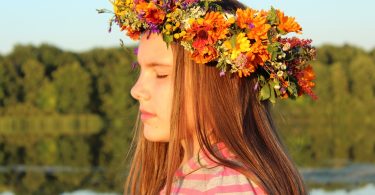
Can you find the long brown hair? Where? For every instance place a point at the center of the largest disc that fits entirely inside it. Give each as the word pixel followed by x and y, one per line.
pixel 236 118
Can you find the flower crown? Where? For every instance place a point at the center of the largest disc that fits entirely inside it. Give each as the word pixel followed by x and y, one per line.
pixel 246 42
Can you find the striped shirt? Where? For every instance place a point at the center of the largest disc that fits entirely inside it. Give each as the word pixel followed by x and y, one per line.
pixel 200 175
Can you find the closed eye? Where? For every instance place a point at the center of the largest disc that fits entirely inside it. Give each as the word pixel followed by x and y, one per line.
pixel 161 76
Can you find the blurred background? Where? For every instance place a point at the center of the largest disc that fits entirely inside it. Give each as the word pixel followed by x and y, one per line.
pixel 66 114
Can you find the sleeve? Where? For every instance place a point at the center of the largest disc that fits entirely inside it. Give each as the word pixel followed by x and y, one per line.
pixel 230 181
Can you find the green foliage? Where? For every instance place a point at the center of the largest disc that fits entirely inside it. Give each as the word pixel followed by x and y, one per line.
pixel 72 83
pixel 68 117
pixel 336 129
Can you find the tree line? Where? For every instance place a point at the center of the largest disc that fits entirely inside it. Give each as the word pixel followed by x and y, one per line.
pixel 66 118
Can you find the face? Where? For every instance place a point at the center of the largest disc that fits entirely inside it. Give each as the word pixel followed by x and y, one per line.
pixel 154 87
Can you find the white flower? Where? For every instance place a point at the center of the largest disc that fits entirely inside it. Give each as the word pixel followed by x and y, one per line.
pixel 280 73
pixel 286 47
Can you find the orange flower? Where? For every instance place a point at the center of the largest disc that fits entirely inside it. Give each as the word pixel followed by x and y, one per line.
pixel 258 54
pixel 305 78
pixel 151 12
pixel 219 25
pixel 204 54
pixel 133 34
pixel 245 72
pixel 206 31
pixel 245 17
pixel 288 24
pixel 255 21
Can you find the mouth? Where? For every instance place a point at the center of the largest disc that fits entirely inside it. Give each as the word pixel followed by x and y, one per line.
pixel 146 115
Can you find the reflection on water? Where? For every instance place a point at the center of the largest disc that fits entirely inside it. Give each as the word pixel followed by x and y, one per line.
pixel 353 179
pixel 366 190
pixel 352 174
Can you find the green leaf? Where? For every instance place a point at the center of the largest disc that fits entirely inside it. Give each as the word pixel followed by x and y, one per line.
pixel 273 97
pixel 272 17
pixel 168 39
pixel 272 91
pixel 233 41
pixel 206 5
pixel 292 89
pixel 274 49
pixel 265 92
pixel 271 34
pixel 217 7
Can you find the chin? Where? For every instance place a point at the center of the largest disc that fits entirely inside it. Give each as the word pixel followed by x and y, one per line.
pixel 154 135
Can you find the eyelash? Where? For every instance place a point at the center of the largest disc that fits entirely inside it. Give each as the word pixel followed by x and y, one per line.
pixel 161 76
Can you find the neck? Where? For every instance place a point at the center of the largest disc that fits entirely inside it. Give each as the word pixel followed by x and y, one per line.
pixel 190 150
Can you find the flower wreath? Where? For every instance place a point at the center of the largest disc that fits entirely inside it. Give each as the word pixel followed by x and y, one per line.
pixel 244 43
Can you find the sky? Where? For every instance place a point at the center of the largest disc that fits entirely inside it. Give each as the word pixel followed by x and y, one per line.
pixel 75 25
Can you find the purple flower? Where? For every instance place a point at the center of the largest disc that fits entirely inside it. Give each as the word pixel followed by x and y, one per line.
pixel 282 90
pixel 154 28
pixel 167 6
pixel 222 73
pixel 134 65
pixel 251 26
pixel 256 86
pixel 135 51
pixel 187 3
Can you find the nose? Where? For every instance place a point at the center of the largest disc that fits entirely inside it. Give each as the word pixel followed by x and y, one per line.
pixel 139 91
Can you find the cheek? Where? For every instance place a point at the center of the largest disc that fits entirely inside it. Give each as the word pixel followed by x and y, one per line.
pixel 163 99
pixel 159 129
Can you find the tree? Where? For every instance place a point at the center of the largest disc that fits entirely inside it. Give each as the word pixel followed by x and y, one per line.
pixel 73 86
pixel 33 76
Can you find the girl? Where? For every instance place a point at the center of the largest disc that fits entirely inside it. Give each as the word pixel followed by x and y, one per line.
pixel 199 130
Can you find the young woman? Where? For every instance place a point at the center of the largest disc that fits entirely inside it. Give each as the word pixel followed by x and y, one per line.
pixel 201 130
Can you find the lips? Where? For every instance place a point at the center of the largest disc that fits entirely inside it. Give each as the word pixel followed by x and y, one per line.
pixel 145 115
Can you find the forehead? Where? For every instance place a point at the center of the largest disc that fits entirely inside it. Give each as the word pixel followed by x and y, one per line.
pixel 153 50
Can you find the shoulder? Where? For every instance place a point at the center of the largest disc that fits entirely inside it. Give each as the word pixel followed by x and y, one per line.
pixel 228 180
pixel 221 179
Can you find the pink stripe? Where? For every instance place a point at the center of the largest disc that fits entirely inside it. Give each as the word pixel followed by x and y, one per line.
pixel 185 191
pixel 181 190
pixel 203 176
pixel 193 165
pixel 231 188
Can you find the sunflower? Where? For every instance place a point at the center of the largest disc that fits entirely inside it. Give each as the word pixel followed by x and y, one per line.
pixel 288 24
pixel 242 44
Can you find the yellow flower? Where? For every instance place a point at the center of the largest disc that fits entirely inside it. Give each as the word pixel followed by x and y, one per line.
pixel 242 44
pixel 118 7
